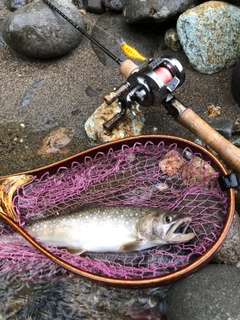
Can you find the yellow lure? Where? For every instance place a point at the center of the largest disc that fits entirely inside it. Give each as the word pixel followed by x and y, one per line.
pixel 131 52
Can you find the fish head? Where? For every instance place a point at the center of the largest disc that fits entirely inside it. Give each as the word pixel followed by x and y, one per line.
pixel 165 226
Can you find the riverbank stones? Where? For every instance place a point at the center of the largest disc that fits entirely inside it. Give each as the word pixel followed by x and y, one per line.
pixel 212 293
pixel 36 31
pixel 210 35
pixel 136 11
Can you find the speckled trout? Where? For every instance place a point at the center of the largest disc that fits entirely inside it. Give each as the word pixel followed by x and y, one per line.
pixel 105 229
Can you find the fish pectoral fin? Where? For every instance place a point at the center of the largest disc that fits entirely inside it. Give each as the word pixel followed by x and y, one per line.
pixel 76 251
pixel 137 245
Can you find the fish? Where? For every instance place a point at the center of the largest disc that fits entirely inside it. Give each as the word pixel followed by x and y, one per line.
pixel 112 229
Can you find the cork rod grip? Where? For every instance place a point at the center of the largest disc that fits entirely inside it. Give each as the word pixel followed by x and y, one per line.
pixel 225 149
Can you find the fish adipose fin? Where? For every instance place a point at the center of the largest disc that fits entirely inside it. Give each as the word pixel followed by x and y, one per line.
pixel 138 245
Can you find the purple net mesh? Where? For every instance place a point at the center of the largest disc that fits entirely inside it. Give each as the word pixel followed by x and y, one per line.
pixel 164 176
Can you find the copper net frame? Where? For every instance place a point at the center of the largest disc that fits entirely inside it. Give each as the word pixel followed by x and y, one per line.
pixel 115 146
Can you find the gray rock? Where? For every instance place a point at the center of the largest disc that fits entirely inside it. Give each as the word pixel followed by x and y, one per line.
pixel 210 294
pixel 209 34
pixel 128 126
pixel 36 31
pixel 229 252
pixel 114 5
pixel 152 10
pixel 95 6
pixel 223 126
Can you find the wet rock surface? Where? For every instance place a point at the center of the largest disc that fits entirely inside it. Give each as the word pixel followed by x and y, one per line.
pixel 229 252
pixel 136 11
pixel 36 31
pixel 213 43
pixel 78 299
pixel 212 293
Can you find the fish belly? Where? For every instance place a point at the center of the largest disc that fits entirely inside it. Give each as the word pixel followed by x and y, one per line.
pixel 86 232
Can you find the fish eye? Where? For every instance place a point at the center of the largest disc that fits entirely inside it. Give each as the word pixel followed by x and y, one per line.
pixel 167 218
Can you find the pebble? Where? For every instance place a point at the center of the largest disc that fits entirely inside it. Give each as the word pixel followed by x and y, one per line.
pixel 209 35
pixel 213 111
pixel 114 5
pixel 171 40
pixel 136 11
pixel 236 126
pixel 128 126
pixel 56 141
pixel 210 294
pixel 95 6
pixel 34 30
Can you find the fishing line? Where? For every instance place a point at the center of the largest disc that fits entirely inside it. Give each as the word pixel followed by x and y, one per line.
pixel 109 53
pixel 128 50
pixel 83 12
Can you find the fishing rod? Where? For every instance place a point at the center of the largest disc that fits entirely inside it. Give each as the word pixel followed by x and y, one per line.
pixel 76 26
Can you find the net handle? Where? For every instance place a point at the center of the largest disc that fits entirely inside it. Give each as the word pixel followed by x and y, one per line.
pixel 225 149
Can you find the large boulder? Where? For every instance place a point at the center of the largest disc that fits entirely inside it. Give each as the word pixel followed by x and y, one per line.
pixel 36 31
pixel 156 11
pixel 211 294
pixel 210 35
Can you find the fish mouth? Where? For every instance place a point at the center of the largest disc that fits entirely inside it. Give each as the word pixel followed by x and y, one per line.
pixel 177 233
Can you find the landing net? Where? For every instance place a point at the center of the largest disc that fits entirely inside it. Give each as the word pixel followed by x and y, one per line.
pixel 163 176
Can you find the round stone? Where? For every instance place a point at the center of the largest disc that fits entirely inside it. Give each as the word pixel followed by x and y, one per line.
pixel 37 31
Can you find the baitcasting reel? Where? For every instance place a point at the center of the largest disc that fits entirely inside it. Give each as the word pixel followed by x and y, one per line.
pixel 148 86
